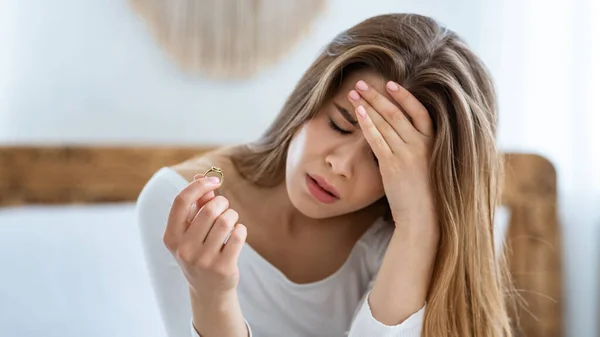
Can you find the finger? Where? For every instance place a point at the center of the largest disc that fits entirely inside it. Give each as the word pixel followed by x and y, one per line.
pixel 409 103
pixel 390 136
pixel 198 204
pixel 234 245
pixel 177 221
pixel 372 134
pixel 221 230
pixel 204 221
pixel 203 200
pixel 388 110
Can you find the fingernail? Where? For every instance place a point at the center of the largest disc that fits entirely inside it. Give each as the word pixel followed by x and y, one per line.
pixel 361 85
pixel 392 86
pixel 361 111
pixel 354 95
pixel 214 180
pixel 198 176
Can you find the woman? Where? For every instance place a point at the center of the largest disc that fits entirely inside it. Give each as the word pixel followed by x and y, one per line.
pixel 365 209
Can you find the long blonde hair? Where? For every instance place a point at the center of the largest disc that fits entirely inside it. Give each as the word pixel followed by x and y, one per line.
pixel 468 291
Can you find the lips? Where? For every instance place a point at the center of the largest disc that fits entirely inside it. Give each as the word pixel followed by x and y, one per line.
pixel 317 192
pixel 325 185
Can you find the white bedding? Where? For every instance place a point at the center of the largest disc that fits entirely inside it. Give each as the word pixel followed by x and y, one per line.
pixel 75 271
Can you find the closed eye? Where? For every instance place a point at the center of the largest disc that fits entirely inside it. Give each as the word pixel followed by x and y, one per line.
pixel 337 129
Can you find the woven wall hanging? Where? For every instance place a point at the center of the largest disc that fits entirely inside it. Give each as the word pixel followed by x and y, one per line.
pixel 227 38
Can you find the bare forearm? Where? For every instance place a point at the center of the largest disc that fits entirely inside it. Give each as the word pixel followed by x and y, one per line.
pixel 216 316
pixel 401 285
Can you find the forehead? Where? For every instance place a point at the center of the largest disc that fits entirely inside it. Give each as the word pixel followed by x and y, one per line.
pixel 373 79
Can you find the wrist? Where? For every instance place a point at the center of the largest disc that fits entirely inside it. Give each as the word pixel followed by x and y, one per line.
pixel 225 303
pixel 423 243
pixel 218 314
pixel 421 228
pixel 214 297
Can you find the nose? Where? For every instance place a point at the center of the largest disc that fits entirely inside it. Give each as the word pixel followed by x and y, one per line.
pixel 341 161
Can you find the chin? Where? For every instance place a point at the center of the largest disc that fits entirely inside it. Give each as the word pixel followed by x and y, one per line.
pixel 310 208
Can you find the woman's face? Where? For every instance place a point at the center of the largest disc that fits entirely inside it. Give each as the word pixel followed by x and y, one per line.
pixel 330 169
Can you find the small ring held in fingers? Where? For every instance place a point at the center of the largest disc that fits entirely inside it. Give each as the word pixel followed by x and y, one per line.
pixel 216 171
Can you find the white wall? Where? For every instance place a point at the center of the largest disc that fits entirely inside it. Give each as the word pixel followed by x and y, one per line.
pixel 89 72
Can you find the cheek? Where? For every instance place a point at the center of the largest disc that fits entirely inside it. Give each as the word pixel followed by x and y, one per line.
pixel 297 147
pixel 369 186
pixel 310 139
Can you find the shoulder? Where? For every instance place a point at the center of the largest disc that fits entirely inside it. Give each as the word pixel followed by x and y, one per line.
pixel 200 164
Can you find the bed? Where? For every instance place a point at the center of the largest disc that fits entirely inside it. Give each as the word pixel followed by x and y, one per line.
pixel 84 196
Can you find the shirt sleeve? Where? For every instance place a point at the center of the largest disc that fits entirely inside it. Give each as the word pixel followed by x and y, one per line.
pixel 364 324
pixel 196 334
pixel 168 282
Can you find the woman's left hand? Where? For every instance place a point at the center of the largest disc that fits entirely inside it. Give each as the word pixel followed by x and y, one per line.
pixel 401 136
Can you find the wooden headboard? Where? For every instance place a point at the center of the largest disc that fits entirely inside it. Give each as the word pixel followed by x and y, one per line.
pixel 66 175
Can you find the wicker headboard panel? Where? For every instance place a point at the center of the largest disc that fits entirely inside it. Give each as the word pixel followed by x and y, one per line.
pixel 61 175
pixel 534 243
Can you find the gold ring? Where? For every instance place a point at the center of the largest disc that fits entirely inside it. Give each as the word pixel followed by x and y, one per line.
pixel 218 171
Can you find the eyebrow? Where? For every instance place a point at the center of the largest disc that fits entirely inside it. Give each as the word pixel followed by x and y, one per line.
pixel 346 115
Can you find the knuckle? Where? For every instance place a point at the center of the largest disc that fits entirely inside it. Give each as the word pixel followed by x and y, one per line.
pixel 223 224
pixel 385 113
pixel 378 99
pixel 221 200
pixel 398 117
pixel 230 217
pixel 210 211
pixel 387 160
pixel 237 237
pixel 226 224
pixel 226 221
pixel 388 129
pixel 241 232
pixel 180 199
pixel 168 242
pixel 379 142
pixel 215 207
pixel 234 215
pixel 184 254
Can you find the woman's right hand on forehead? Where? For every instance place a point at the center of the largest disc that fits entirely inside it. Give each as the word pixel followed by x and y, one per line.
pixel 205 238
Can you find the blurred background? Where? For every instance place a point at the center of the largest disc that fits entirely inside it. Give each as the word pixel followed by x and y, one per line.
pixel 99 72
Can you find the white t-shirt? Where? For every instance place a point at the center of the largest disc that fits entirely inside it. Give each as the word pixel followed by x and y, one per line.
pixel 272 305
